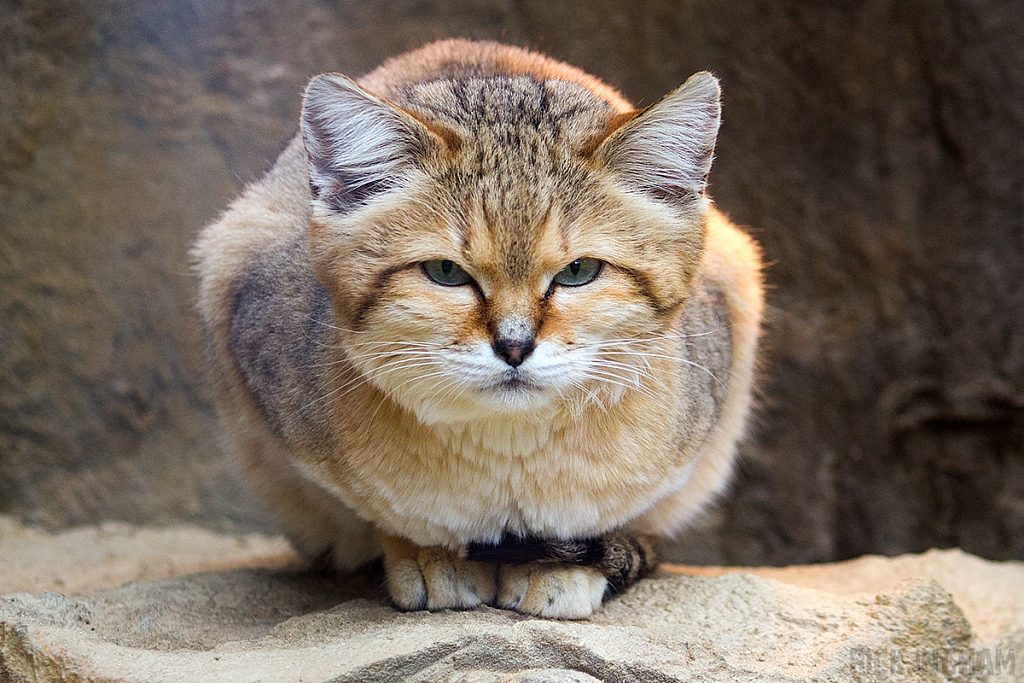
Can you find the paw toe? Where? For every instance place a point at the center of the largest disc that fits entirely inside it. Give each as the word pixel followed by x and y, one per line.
pixel 552 591
pixel 513 582
pixel 436 579
pixel 406 585
pixel 456 584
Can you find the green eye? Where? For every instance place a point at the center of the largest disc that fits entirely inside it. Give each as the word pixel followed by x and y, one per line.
pixel 580 272
pixel 447 273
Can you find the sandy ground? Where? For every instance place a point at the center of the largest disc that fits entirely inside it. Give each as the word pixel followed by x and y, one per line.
pixel 212 607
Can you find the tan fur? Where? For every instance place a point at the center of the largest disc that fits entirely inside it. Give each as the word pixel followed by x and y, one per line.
pixel 362 441
pixel 453 582
pixel 554 591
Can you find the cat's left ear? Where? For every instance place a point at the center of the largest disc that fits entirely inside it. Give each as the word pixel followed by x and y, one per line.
pixel 666 150
pixel 357 145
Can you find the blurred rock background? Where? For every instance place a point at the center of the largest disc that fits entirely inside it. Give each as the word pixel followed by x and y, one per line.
pixel 875 148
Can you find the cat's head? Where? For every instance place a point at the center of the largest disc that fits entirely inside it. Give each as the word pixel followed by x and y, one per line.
pixel 498 245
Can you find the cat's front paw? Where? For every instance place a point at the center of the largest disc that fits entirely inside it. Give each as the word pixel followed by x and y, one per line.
pixel 556 591
pixel 434 578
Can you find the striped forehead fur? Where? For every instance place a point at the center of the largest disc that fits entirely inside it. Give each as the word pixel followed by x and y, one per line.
pixel 515 160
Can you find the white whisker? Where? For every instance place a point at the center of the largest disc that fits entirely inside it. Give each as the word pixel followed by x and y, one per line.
pixel 678 359
pixel 390 392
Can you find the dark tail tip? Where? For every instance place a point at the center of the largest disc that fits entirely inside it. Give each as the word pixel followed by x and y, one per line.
pixel 513 549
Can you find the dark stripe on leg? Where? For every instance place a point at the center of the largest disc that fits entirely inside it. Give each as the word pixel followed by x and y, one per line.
pixel 621 557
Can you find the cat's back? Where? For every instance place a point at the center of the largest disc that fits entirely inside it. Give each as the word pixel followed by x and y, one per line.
pixel 463 60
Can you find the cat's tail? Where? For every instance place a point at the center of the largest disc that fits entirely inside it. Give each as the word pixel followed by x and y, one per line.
pixel 621 557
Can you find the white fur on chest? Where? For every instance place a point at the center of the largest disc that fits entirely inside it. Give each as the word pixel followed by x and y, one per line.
pixel 454 484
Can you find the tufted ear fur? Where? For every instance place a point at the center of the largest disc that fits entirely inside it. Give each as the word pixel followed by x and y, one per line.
pixel 666 150
pixel 357 145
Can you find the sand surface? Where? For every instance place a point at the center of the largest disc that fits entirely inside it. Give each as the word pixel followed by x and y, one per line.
pixel 239 608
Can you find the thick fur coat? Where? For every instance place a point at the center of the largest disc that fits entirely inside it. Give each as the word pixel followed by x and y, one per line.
pixel 481 306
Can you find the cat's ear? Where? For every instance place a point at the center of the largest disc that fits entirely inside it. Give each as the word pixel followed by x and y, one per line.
pixel 666 150
pixel 357 145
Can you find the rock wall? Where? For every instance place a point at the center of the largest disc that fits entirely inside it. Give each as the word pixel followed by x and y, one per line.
pixel 872 146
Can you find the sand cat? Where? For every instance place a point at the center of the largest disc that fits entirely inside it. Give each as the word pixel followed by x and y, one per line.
pixel 481 319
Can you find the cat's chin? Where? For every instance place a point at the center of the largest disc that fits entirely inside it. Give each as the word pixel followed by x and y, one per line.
pixel 505 399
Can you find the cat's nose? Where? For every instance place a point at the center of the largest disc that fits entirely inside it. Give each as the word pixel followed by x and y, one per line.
pixel 513 351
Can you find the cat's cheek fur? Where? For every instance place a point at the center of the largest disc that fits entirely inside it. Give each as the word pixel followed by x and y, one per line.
pixel 732 260
pixel 659 246
pixel 361 256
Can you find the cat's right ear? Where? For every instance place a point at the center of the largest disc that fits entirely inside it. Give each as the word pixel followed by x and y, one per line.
pixel 357 145
pixel 666 150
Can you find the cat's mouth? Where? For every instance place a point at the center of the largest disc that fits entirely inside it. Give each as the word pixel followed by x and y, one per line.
pixel 514 382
